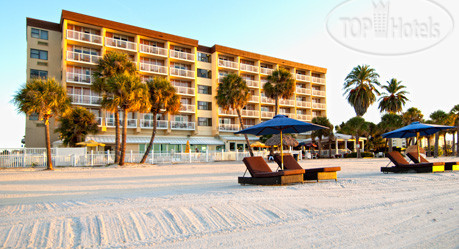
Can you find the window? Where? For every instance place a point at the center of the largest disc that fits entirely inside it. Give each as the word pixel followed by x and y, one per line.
pixel 38 54
pixel 38 74
pixel 40 34
pixel 202 105
pixel 205 121
pixel 204 89
pixel 33 117
pixel 203 57
pixel 203 73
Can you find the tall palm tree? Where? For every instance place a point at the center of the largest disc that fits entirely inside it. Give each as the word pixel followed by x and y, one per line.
pixel 357 127
pixel 280 85
pixel 393 100
pixel 163 96
pixel 411 115
pixel 233 93
pixel 112 64
pixel 46 98
pixel 442 118
pixel 455 116
pixel 75 124
pixel 390 122
pixel 322 132
pixel 360 87
pixel 131 95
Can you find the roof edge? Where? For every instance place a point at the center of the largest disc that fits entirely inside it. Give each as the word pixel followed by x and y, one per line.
pixel 43 24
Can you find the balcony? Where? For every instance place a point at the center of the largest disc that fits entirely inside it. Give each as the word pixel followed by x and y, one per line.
pixel 148 124
pixel 187 108
pixel 180 125
pixel 182 73
pixel 266 71
pixel 266 100
pixel 227 64
pixel 254 98
pixel 78 78
pixel 228 127
pixel 287 102
pixel 303 104
pixel 303 117
pixel 318 80
pixel 229 112
pixel 303 91
pixel 181 55
pixel 150 68
pixel 85 99
pixel 251 83
pixel 248 68
pixel 263 82
pixel 267 114
pixel 318 106
pixel 120 44
pixel 84 37
pixel 147 49
pixel 250 113
pixel 83 58
pixel 318 93
pixel 288 114
pixel 301 77
pixel 131 123
pixel 184 90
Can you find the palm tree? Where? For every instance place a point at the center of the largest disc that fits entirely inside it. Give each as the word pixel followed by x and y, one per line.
pixel 411 115
pixel 360 87
pixel 233 93
pixel 322 132
pixel 442 118
pixel 131 95
pixel 112 64
pixel 46 98
pixel 357 127
pixel 280 85
pixel 75 124
pixel 162 97
pixel 388 123
pixel 393 100
pixel 455 116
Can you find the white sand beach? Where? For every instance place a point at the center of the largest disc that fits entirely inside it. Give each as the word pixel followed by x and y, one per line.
pixel 202 206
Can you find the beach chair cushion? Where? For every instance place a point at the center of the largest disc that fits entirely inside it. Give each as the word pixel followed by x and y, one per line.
pixel 289 162
pixel 259 168
pixel 326 169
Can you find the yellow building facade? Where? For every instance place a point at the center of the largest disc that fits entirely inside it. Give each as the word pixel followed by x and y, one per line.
pixel 71 49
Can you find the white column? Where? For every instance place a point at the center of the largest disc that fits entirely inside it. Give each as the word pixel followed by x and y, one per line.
pixel 336 146
pixel 345 144
pixel 355 145
pixel 363 144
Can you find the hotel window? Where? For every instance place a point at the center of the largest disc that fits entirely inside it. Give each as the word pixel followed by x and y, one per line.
pixel 38 54
pixel 204 89
pixel 202 73
pixel 203 57
pixel 202 105
pixel 205 121
pixel 33 117
pixel 38 74
pixel 40 34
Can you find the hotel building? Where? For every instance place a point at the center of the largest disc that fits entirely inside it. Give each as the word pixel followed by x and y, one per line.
pixel 70 50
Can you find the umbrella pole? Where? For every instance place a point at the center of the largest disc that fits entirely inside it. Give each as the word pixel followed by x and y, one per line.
pixel 417 143
pixel 282 151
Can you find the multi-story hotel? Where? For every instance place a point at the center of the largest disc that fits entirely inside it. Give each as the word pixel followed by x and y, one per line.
pixel 69 51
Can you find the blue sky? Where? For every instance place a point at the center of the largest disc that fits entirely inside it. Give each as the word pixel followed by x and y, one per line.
pixel 293 30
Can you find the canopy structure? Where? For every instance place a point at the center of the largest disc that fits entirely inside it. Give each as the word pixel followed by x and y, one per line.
pixel 286 140
pixel 259 145
pixel 90 143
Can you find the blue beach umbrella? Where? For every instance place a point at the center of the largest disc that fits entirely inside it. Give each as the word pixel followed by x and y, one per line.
pixel 278 125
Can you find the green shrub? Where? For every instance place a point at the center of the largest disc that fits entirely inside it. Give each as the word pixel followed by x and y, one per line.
pixel 363 154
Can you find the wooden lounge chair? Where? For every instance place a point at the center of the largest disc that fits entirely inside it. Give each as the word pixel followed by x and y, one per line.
pixel 326 173
pixel 263 175
pixel 448 165
pixel 403 166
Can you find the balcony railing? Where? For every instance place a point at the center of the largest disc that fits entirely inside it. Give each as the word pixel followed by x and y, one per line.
pixel 182 73
pixel 263 82
pixel 84 37
pixel 318 80
pixel 82 57
pixel 251 83
pixel 303 91
pixel 318 106
pixel 85 99
pixel 229 112
pixel 318 93
pixel 266 100
pixel 131 123
pixel 148 123
pixel 179 125
pixel 115 43
pixel 303 117
pixel 250 113
pixel 227 64
pixel 147 49
pixel 228 127
pixel 181 55
pixel 185 90
pixel 301 77
pixel 288 114
pixel 289 102
pixel 79 78
pixel 145 67
pixel 254 98
pixel 303 104
pixel 267 114
pixel 187 108
pixel 267 71
pixel 248 68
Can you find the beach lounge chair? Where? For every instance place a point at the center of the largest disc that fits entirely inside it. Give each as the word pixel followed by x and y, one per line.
pixel 263 175
pixel 448 165
pixel 326 173
pixel 403 166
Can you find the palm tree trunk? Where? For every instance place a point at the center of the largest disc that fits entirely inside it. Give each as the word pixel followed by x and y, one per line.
pixel 49 165
pixel 276 106
pixel 429 151
pixel 436 145
pixel 245 135
pixel 320 146
pixel 150 145
pixel 123 138
pixel 457 139
pixel 453 148
pixel 117 136
pixel 445 150
pixel 329 146
pixel 357 138
pixel 390 145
